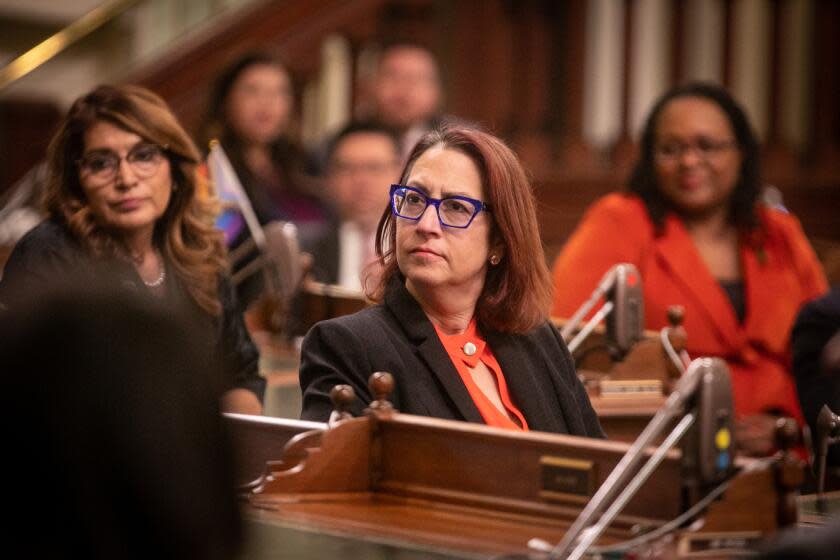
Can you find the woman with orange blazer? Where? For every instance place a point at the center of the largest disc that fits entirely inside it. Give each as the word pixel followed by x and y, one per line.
pixel 693 225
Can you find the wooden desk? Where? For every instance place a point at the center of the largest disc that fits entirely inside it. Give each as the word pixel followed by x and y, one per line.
pixel 407 479
pixel 259 439
pixel 465 489
pixel 624 417
pixel 270 538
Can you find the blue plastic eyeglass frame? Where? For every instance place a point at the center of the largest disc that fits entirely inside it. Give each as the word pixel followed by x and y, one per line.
pixel 479 205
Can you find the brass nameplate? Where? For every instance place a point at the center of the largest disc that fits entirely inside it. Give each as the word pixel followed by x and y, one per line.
pixel 630 388
pixel 567 479
pixel 724 544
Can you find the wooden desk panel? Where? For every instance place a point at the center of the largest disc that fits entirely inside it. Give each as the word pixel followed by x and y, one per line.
pixel 465 489
pixel 461 467
pixel 259 439
pixel 430 524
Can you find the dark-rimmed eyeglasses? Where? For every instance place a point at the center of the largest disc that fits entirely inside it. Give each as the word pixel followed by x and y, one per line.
pixel 102 165
pixel 705 148
pixel 453 211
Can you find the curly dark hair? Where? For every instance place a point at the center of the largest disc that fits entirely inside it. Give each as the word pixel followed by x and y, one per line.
pixel 643 181
pixel 185 233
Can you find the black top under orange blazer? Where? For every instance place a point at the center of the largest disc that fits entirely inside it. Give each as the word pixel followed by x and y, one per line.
pixel 397 337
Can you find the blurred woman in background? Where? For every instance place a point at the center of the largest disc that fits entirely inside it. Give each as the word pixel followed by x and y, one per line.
pixel 693 224
pixel 251 112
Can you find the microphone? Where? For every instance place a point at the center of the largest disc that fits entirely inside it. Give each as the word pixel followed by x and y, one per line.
pixel 625 325
pixel 279 261
pixel 621 287
pixel 282 249
pixel 703 398
pixel 709 448
pixel 278 258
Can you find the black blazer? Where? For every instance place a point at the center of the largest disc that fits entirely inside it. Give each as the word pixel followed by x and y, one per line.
pixel 397 337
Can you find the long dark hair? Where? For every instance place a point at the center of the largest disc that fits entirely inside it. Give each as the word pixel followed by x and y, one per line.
pixel 517 291
pixel 185 233
pixel 285 151
pixel 643 180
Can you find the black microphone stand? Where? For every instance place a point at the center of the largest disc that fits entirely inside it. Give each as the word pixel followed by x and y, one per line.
pixel 628 476
pixel 828 432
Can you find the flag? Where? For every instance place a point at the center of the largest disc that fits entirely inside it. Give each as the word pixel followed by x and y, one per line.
pixel 236 205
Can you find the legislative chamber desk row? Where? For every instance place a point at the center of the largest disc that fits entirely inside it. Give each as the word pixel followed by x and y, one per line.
pixel 389 485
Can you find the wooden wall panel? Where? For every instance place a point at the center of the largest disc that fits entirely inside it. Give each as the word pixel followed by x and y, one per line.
pixel 826 114
pixel 516 66
pixel 25 130
pixel 293 30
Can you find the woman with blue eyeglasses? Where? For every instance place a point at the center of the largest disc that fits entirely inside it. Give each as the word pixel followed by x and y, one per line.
pixel 694 225
pixel 123 213
pixel 462 301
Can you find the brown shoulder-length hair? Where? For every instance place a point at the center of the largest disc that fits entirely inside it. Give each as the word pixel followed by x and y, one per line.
pixel 517 292
pixel 185 233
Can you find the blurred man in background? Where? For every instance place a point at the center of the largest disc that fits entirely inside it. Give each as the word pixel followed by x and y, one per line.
pixel 362 162
pixel 407 92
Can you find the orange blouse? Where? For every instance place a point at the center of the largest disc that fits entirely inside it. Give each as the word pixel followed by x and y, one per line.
pixel 455 347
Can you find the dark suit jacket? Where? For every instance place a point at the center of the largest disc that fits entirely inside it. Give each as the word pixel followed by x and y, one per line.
pixel 397 337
